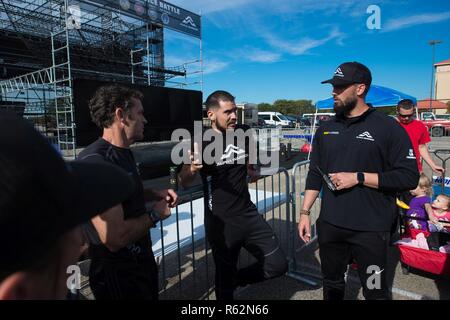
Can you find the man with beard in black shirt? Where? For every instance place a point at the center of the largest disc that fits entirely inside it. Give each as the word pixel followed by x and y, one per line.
pixel 122 261
pixel 232 221
pixel 365 158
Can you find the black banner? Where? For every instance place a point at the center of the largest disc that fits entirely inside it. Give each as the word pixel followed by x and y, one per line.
pixel 155 11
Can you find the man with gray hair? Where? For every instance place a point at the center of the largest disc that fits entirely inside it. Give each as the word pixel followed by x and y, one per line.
pixel 123 265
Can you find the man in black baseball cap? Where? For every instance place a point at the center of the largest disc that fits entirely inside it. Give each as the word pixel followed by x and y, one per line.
pixel 367 157
pixel 43 201
pixel 348 79
pixel 350 73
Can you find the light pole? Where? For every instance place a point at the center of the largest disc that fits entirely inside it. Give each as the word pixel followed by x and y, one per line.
pixel 432 43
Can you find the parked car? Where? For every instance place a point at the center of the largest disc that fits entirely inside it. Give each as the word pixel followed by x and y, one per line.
pixel 275 118
pixel 304 122
pixel 320 117
pixel 299 122
pixel 443 117
pixel 262 124
pixel 436 127
pixel 293 120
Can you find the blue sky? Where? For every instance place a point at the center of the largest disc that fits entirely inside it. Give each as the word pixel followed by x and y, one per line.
pixel 261 51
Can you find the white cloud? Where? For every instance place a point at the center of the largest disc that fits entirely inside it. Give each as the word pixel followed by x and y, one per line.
pixel 302 46
pixel 213 66
pixel 254 55
pixel 263 56
pixel 410 21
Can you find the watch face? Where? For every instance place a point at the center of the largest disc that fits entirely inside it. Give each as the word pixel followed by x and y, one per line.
pixel 360 177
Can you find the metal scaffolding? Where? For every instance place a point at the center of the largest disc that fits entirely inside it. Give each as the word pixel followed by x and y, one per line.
pixel 45 44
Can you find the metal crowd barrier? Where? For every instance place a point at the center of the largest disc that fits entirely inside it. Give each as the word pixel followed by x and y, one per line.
pixel 439 153
pixel 304 264
pixel 182 255
pixel 186 267
pixel 280 221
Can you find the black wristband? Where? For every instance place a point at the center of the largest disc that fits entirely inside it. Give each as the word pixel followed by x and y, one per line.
pixel 155 217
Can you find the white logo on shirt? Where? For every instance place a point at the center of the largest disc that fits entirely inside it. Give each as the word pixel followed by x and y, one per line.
pixel 228 158
pixel 230 150
pixel 411 154
pixel 365 136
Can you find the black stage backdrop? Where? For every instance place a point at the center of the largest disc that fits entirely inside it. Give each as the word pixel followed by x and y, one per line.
pixel 166 109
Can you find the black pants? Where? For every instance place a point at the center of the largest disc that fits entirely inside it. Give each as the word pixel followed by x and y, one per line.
pixel 124 280
pixel 369 249
pixel 249 231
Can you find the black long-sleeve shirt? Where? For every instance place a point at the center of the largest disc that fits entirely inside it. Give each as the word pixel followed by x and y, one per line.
pixel 373 143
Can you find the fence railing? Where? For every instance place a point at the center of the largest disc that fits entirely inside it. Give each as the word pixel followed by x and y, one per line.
pixel 186 267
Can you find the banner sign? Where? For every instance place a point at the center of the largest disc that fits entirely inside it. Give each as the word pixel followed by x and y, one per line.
pixel 156 11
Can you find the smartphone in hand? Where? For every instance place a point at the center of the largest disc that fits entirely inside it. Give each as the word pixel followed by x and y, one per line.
pixel 327 180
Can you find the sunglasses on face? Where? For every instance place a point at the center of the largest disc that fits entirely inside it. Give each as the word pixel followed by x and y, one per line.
pixel 406 115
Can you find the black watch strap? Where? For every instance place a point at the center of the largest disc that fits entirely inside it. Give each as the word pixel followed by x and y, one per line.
pixel 360 176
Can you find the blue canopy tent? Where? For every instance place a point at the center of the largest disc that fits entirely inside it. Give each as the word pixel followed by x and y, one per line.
pixel 377 96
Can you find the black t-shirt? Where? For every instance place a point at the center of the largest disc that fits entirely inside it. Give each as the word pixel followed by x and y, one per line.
pixel 102 151
pixel 225 181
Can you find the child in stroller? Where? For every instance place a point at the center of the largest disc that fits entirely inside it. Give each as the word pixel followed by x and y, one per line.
pixel 417 204
pixel 438 212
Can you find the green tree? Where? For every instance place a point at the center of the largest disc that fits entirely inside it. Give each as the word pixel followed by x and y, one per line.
pixel 265 107
pixel 387 110
pixel 294 107
pixel 448 107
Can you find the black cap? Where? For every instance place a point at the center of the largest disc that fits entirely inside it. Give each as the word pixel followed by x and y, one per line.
pixel 42 197
pixel 349 73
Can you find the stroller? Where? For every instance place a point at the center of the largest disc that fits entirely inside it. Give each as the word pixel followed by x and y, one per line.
pixel 422 259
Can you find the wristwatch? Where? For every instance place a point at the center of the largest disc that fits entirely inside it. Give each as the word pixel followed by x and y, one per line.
pixel 360 177
pixel 305 212
pixel 155 217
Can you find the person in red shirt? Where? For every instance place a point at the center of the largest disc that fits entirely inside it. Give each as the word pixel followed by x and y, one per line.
pixel 418 134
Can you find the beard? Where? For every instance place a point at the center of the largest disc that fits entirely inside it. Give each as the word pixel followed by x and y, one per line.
pixel 343 108
pixel 224 126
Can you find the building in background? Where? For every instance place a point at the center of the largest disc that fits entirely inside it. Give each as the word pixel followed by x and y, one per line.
pixel 442 82
pixel 437 106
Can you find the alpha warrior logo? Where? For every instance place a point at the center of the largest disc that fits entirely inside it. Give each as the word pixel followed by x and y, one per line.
pixel 411 154
pixel 190 21
pixel 230 150
pixel 338 73
pixel 232 155
pixel 365 136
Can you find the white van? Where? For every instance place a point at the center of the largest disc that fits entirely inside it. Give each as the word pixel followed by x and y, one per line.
pixel 275 118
